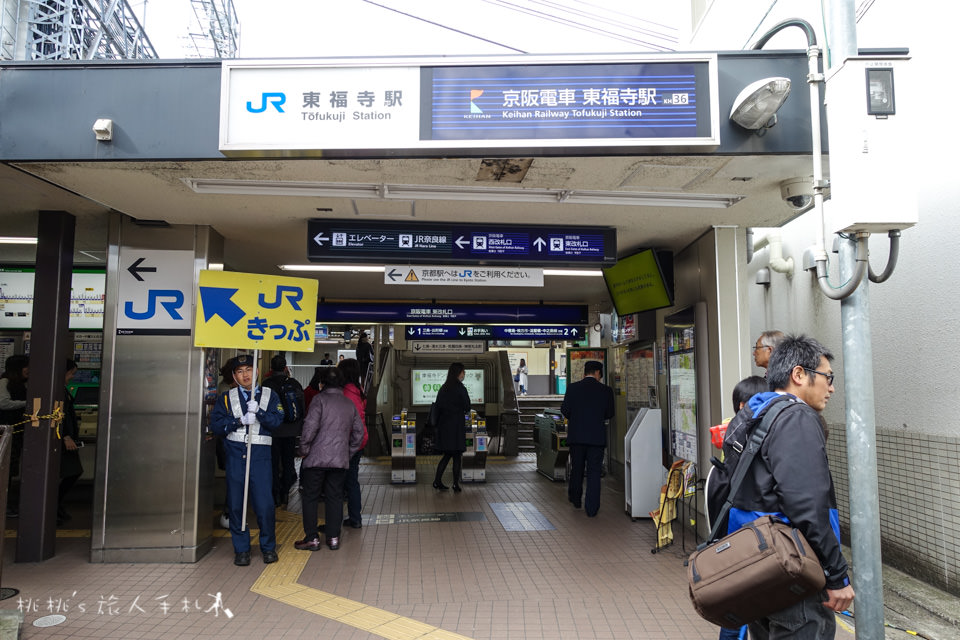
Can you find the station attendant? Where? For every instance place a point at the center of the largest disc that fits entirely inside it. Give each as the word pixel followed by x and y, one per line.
pixel 237 416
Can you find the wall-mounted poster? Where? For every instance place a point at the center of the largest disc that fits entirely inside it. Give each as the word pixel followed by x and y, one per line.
pixel 577 358
pixel 682 383
pixel 641 380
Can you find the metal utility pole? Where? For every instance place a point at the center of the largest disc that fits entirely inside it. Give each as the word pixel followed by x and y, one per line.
pixel 858 390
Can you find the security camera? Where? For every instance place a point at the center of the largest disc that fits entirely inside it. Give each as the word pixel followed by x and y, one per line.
pixel 797 193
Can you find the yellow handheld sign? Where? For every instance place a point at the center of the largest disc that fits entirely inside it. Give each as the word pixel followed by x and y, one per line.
pixel 254 311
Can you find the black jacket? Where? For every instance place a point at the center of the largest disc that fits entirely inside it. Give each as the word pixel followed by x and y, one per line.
pixel 790 478
pixel 586 405
pixel 453 403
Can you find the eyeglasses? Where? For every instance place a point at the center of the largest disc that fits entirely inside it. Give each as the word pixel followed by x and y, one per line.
pixel 828 376
pixel 761 346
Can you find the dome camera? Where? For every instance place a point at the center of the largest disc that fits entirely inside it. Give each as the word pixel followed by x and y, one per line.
pixel 797 193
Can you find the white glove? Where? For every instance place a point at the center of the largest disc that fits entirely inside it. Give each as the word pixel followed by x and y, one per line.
pixel 253 406
pixel 248 418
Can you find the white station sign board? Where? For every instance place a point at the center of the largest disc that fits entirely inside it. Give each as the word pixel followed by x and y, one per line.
pixel 155 292
pixel 469 276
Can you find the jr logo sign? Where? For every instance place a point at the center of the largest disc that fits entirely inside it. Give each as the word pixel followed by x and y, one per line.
pixel 275 99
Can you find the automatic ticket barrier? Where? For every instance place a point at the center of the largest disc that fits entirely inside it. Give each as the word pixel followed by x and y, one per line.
pixel 550 438
pixel 475 456
pixel 403 448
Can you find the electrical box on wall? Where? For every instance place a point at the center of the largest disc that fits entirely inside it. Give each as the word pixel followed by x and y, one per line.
pixel 871 182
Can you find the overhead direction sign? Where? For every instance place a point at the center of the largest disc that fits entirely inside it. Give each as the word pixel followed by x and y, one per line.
pixel 469 276
pixel 253 311
pixel 453 242
pixel 446 346
pixel 456 313
pixel 494 332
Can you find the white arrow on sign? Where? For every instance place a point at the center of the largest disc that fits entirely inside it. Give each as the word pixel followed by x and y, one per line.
pixel 539 243
pixel 574 331
pixel 320 239
pixel 410 331
pixel 460 242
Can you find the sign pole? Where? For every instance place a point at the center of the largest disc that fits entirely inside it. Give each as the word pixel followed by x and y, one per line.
pixel 246 475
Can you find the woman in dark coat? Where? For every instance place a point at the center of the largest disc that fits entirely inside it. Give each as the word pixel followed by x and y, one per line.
pixel 453 403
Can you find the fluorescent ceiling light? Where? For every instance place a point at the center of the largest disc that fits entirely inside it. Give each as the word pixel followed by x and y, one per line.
pixel 476 194
pixel 17 240
pixel 215 266
pixel 573 272
pixel 331 267
pixel 350 268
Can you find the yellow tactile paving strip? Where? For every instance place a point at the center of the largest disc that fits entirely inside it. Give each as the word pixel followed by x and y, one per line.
pixel 279 582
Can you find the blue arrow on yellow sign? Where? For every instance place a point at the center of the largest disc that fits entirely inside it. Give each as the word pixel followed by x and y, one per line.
pixel 253 311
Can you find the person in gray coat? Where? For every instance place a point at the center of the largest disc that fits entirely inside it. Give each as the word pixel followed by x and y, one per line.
pixel 332 433
pixel 453 403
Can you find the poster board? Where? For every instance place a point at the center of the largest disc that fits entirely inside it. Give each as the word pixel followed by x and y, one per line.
pixel 682 383
pixel 578 358
pixel 641 379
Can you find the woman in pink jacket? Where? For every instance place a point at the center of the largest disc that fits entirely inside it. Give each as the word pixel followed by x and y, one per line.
pixel 332 433
pixel 353 389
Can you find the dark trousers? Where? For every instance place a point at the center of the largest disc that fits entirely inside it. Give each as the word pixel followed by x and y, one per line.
pixel 457 466
pixel 352 487
pixel 586 460
pixel 806 620
pixel 313 482
pixel 284 470
pixel 260 494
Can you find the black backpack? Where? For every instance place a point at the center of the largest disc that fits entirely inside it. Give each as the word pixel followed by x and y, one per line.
pixel 290 394
pixel 736 440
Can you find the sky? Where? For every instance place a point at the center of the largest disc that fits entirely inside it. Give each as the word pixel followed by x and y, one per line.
pixel 308 28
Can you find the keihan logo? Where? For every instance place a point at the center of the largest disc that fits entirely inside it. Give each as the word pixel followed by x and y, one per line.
pixel 474 94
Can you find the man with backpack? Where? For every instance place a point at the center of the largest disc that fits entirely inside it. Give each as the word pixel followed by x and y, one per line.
pixel 290 393
pixel 789 478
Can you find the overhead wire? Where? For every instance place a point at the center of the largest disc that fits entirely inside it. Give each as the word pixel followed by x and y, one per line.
pixel 551 18
pixel 863 8
pixel 443 26
pixel 602 19
pixel 601 7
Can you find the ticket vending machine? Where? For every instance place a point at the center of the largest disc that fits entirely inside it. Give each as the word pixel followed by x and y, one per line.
pixel 403 448
pixel 550 438
pixel 475 455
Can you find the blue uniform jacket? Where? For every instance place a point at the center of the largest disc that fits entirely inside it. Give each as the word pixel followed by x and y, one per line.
pixel 222 420
pixel 586 405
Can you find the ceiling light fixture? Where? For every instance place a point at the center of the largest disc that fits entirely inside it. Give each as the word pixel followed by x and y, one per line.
pixel 476 194
pixel 17 240
pixel 353 268
pixel 756 106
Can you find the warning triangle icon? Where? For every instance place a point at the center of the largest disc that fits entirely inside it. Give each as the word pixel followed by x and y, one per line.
pixel 411 277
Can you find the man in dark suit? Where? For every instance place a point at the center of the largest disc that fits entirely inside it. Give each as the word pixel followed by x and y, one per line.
pixel 587 405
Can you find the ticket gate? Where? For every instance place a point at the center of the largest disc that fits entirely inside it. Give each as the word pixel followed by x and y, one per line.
pixel 475 456
pixel 403 448
pixel 550 438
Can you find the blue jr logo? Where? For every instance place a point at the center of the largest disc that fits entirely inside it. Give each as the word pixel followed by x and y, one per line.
pixel 170 299
pixel 276 99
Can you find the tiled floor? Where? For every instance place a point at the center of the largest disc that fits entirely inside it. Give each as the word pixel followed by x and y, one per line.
pixel 516 561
